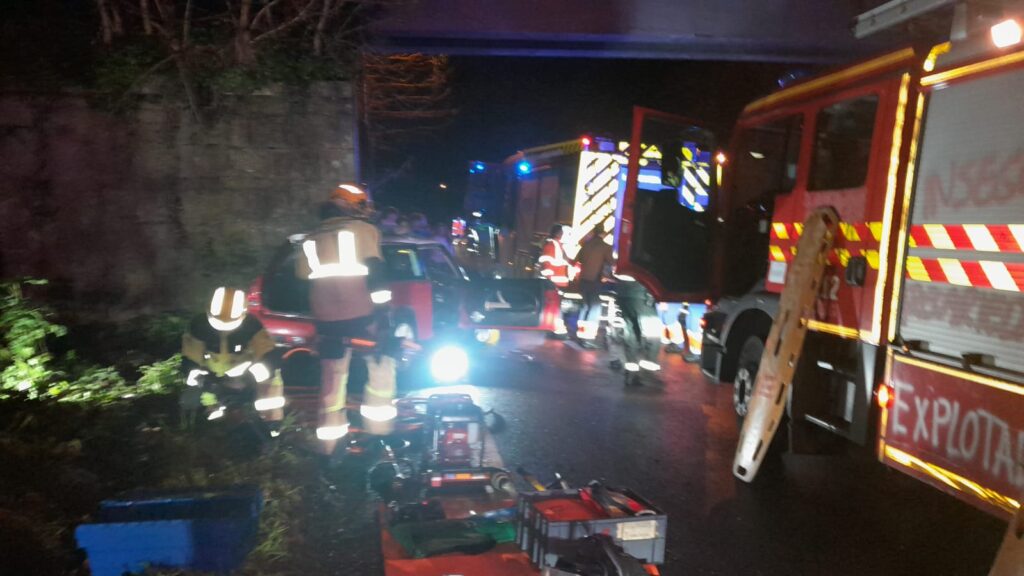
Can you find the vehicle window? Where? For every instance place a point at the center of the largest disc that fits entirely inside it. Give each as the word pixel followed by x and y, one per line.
pixel 283 290
pixel 767 159
pixel 842 144
pixel 437 263
pixel 402 263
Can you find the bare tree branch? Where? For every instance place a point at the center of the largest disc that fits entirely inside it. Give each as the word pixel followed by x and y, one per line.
pixel 301 17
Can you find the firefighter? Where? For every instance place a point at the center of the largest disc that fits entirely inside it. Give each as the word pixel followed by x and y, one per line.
pixel 637 351
pixel 342 259
pixel 229 346
pixel 593 259
pixel 552 263
pixel 554 266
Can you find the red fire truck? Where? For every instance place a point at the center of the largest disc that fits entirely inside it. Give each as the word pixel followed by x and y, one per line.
pixel 898 324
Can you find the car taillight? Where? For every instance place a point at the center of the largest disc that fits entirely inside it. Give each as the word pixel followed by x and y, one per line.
pixel 885 396
pixel 255 299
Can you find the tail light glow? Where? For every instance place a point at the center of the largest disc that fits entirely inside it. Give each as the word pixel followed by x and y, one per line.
pixel 885 396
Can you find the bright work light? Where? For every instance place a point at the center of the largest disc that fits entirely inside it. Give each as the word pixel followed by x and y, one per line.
pixel 1006 33
pixel 449 364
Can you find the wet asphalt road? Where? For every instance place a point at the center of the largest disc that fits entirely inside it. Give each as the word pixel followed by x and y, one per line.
pixel 673 441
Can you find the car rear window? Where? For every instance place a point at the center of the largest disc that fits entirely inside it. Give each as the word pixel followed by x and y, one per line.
pixel 402 263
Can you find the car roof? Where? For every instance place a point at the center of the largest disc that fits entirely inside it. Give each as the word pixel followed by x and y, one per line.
pixel 409 240
pixel 386 240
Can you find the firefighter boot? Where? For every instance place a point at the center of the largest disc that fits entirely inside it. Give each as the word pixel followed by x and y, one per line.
pixel 378 410
pixel 333 422
pixel 270 400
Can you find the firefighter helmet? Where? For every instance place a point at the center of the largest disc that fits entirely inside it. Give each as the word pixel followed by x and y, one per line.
pixel 352 199
pixel 227 309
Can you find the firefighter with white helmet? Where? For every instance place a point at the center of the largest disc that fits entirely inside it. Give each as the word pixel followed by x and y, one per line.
pixel 342 258
pixel 229 346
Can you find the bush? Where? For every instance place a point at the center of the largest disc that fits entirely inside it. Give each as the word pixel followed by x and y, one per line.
pixel 29 369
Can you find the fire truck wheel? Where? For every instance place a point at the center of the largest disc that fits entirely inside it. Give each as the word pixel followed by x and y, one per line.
pixel 746 376
pixel 502 482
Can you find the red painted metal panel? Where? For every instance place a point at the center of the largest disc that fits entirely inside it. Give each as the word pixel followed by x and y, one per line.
pixel 971 426
pixel 416 295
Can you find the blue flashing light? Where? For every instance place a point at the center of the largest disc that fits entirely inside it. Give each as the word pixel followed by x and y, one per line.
pixel 479 166
pixel 524 167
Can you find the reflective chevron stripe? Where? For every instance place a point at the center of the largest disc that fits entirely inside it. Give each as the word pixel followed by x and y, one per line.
pixel 981 237
pixel 979 274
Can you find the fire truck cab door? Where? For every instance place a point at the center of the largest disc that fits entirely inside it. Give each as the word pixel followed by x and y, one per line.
pixel 665 234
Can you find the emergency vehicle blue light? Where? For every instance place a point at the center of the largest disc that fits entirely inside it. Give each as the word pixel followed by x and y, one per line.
pixel 524 167
pixel 479 167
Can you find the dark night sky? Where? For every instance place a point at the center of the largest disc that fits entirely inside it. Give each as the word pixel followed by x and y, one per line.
pixel 507 104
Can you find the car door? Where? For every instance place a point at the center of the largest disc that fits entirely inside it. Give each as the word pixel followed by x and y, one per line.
pixel 667 235
pixel 447 281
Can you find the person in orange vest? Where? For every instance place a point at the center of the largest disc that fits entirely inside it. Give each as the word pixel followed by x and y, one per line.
pixel 348 293
pixel 554 266
pixel 552 262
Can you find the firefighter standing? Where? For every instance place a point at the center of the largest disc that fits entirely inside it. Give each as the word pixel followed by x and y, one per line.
pixel 236 349
pixel 554 266
pixel 552 262
pixel 638 349
pixel 594 257
pixel 343 261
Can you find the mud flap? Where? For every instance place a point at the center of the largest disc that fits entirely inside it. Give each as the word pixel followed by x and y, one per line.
pixel 1010 559
pixel 785 341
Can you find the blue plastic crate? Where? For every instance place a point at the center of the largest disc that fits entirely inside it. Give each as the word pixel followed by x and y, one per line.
pixel 206 531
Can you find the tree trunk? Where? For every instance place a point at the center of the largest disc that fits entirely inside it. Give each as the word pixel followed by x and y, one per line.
pixel 321 25
pixel 147 24
pixel 107 33
pixel 244 53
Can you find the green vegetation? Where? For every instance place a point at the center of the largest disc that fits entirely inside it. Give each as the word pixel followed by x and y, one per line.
pixel 28 367
pixel 73 433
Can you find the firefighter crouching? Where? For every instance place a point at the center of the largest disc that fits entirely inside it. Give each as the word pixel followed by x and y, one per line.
pixel 230 348
pixel 342 259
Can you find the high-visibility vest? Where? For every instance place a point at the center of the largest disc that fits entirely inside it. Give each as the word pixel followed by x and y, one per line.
pixel 553 264
pixel 334 258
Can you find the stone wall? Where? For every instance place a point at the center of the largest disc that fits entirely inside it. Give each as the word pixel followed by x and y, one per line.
pixel 146 210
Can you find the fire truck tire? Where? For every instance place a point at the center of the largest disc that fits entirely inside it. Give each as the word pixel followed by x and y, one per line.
pixel 746 375
pixel 502 482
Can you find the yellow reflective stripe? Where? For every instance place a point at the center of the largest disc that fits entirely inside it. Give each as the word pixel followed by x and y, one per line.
pixel 849 232
pixel 844 256
pixel 780 230
pixel 834 329
pixel 876 230
pixel 952 479
pixel 916 269
pixel 777 254
pixel 799 226
pixel 872 258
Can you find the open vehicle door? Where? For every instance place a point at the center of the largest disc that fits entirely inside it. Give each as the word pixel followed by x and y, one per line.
pixel 510 304
pixel 665 238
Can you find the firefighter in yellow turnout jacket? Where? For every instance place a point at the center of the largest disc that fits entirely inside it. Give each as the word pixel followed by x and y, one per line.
pixel 342 258
pixel 231 348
